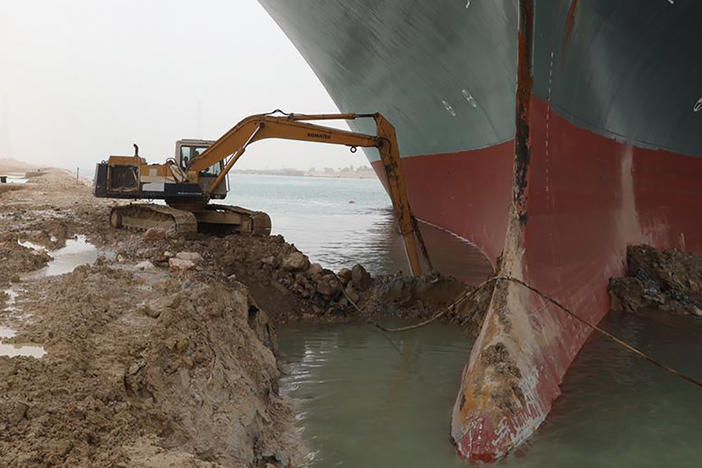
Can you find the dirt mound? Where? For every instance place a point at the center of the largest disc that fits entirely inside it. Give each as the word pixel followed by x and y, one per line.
pixel 137 364
pixel 9 188
pixel 284 282
pixel 665 280
pixel 143 368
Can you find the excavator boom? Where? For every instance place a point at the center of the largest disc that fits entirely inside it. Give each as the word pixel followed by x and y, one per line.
pixel 288 128
pixel 187 186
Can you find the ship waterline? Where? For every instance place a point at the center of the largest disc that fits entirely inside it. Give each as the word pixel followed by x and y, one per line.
pixel 615 133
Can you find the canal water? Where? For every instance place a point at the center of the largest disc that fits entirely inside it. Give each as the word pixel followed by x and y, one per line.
pixel 366 399
pixel 340 222
pixel 369 399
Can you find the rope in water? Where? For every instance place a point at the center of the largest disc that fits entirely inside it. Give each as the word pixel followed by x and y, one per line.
pixel 560 306
pixel 358 309
pixel 452 306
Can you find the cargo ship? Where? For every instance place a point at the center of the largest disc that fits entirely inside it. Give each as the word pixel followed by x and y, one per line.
pixel 594 145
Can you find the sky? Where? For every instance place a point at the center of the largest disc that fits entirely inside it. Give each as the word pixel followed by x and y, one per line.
pixel 82 79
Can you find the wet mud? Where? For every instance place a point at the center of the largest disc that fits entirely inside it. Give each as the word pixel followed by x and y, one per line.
pixel 667 281
pixel 142 366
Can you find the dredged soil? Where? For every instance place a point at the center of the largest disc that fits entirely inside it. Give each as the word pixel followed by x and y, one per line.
pixel 143 367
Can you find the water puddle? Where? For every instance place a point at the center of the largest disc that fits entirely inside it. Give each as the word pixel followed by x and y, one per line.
pixel 76 252
pixel 32 245
pixel 18 349
pixel 15 349
pixel 11 299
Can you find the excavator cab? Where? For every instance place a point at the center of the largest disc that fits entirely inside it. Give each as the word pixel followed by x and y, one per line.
pixel 187 194
pixel 186 150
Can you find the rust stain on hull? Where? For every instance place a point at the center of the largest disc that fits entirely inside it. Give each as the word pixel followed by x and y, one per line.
pixel 498 407
pixel 525 82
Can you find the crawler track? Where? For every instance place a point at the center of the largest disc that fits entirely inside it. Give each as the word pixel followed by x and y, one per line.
pixel 142 216
pixel 218 219
pixel 252 222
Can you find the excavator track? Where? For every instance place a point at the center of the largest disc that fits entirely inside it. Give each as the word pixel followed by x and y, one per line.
pixel 142 216
pixel 227 219
pixel 218 219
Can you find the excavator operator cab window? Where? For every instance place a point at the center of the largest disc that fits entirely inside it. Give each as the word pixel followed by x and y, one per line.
pixel 213 170
pixel 185 155
pixel 189 152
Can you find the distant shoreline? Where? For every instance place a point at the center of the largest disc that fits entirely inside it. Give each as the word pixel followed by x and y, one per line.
pixel 21 168
pixel 14 167
pixel 355 174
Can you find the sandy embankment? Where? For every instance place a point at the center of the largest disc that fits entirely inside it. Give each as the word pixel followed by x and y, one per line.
pixel 143 368
pixel 149 366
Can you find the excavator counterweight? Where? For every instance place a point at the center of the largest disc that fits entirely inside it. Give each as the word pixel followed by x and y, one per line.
pixel 198 173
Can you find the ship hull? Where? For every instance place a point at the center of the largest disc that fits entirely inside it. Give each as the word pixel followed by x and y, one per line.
pixel 573 242
pixel 473 209
pixel 615 139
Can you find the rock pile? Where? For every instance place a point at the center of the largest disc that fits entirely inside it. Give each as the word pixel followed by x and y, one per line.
pixel 268 265
pixel 289 285
pixel 325 289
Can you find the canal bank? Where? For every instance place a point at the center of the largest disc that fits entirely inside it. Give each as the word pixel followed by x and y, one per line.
pixel 107 359
pixel 132 344
pixel 156 350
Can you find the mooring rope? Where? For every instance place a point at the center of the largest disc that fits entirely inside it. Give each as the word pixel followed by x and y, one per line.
pixel 353 303
pixel 560 306
pixel 450 307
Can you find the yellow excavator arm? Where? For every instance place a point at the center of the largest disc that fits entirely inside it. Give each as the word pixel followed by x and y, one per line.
pixel 233 144
pixel 187 185
pixel 288 127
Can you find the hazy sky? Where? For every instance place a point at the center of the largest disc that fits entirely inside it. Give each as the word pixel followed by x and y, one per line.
pixel 83 79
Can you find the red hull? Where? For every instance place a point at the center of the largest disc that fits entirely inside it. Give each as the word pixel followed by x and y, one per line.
pixel 588 197
pixel 466 193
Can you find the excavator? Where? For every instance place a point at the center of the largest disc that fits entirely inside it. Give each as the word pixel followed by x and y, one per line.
pixel 196 175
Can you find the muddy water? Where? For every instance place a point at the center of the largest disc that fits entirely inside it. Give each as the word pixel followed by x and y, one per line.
pixel 366 399
pixel 15 349
pixel 76 252
pixel 18 349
